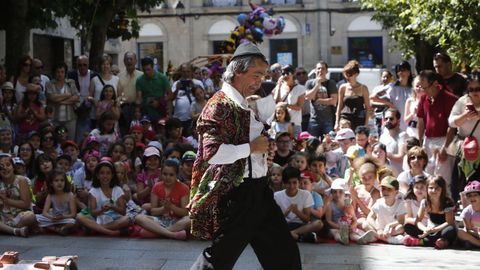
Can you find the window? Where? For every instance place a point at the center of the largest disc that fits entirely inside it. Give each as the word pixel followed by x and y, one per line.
pixel 368 51
pixel 153 50
pixel 284 51
pixel 221 3
pixel 281 2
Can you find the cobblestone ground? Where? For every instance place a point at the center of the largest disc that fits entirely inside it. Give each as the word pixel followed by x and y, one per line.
pixel 102 253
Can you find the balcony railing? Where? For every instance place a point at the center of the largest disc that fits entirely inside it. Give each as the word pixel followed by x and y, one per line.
pixel 222 3
pixel 282 2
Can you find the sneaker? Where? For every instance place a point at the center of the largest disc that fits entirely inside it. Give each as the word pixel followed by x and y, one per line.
pixel 366 238
pixel 344 234
pixel 441 243
pixel 395 240
pixel 411 241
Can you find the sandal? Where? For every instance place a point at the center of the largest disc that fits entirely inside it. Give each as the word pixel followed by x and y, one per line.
pixel 23 232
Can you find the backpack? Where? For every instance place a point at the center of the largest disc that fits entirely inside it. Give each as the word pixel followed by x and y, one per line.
pixel 470 146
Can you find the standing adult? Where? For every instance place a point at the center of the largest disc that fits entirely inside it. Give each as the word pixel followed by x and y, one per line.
pixel 127 92
pixel 231 201
pixel 183 96
pixel 30 112
pixel 287 90
pixel 322 93
pixel 379 93
pixel 433 131
pixel 63 96
pixel 464 117
pixel 153 92
pixel 456 83
pixel 399 91
pixel 82 76
pixel 301 78
pixel 37 70
pixel 98 82
pixel 22 76
pixel 353 98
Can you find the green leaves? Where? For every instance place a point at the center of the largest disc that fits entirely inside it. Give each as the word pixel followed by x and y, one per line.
pixel 447 25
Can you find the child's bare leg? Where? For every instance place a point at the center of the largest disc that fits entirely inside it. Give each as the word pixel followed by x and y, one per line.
pixel 91 224
pixel 149 224
pixel 336 234
pixel 180 225
pixel 465 236
pixel 398 230
pixel 117 224
pixel 313 226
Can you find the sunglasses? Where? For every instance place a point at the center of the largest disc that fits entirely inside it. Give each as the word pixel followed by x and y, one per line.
pixel 286 73
pixel 48 138
pixel 416 157
pixel 474 89
pixel 26 64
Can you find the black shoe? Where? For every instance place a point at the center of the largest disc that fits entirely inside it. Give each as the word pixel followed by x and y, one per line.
pixel 308 238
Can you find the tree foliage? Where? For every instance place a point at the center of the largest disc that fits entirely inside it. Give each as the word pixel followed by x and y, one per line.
pixel 444 25
pixel 95 20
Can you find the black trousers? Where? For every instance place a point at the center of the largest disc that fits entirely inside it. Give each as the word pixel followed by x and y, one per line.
pixel 449 233
pixel 250 215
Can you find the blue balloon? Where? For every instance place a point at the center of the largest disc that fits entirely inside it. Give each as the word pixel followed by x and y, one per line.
pixel 263 15
pixel 257 33
pixel 241 18
pixel 280 23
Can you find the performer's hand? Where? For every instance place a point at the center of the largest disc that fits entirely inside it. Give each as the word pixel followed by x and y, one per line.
pixel 259 145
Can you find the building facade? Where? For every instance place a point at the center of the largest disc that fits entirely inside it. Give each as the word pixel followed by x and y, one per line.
pixel 332 30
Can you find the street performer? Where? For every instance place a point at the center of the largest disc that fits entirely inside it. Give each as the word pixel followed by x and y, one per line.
pixel 231 202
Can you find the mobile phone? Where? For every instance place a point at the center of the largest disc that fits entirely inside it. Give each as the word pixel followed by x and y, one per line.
pixel 471 107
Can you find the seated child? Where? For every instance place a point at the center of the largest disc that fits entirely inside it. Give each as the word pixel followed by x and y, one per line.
pixel 60 209
pixel 306 184
pixel 322 181
pixel 70 148
pixel 296 205
pixel 106 203
pixel 440 231
pixel 471 216
pixel 275 181
pixel 387 214
pixel 340 217
pixel 365 194
pixel 169 215
pixel 186 167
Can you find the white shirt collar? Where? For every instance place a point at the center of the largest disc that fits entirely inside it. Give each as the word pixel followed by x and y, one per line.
pixel 233 93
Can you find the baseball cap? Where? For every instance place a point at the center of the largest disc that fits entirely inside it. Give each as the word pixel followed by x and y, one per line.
pixel 7 86
pixel 304 135
pixel 345 133
pixel 69 143
pixel 189 156
pixel 163 121
pixel 339 184
pixel 473 186
pixel 18 161
pixel 151 151
pixel 389 182
pixel 352 152
pixel 145 118
pixel 136 128
pixel 156 144
pixel 91 139
pixel 309 175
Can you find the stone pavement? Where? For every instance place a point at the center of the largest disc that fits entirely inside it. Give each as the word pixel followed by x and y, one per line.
pixel 102 253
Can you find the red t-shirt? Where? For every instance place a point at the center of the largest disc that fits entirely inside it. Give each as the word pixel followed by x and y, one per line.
pixel 178 191
pixel 435 114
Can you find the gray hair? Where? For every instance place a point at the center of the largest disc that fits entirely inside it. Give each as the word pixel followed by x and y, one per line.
pixel 241 64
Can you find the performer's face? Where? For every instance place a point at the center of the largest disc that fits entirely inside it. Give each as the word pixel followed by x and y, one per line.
pixel 249 82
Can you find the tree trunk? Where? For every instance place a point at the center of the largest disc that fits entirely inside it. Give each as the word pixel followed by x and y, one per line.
pixel 424 54
pixel 103 18
pixel 17 33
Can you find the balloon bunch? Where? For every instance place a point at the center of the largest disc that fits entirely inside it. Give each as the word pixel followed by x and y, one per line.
pixel 253 27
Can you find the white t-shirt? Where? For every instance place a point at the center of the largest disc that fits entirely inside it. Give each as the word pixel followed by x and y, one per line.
pixel 387 214
pixel 99 86
pixel 182 102
pixel 101 199
pixel 292 98
pixel 303 199
pixel 394 145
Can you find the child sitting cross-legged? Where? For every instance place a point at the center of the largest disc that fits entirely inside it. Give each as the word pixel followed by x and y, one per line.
pixel 387 214
pixel 296 205
pixel 341 219
pixel 470 235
